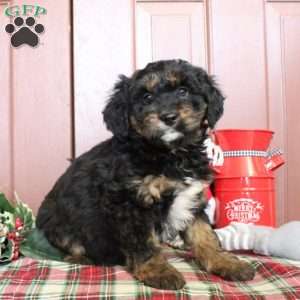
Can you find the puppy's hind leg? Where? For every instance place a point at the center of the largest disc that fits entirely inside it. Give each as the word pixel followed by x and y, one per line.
pixel 76 251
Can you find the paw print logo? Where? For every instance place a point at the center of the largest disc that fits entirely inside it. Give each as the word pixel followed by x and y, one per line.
pixel 24 32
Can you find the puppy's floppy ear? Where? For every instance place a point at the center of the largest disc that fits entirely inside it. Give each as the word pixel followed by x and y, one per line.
pixel 213 95
pixel 215 103
pixel 116 112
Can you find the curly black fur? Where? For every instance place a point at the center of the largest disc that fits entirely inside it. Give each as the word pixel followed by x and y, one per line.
pixel 93 209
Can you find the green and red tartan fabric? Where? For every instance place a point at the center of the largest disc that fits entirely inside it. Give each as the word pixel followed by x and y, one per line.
pixel 44 279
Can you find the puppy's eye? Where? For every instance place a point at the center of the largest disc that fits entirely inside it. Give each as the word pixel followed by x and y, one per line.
pixel 147 98
pixel 182 91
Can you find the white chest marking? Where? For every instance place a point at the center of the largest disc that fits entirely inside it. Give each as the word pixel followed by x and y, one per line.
pixel 181 210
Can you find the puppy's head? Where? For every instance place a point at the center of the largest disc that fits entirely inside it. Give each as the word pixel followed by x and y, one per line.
pixel 168 102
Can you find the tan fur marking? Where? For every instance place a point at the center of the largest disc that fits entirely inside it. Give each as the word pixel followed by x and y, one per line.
pixel 211 257
pixel 135 125
pixel 151 118
pixel 192 119
pixel 152 187
pixel 173 78
pixel 151 81
pixel 158 273
pixel 148 126
pixel 64 243
pixel 185 111
pixel 77 250
pixel 154 239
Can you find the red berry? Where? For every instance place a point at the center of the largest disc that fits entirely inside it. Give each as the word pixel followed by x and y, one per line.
pixel 18 222
pixel 11 235
pixel 16 255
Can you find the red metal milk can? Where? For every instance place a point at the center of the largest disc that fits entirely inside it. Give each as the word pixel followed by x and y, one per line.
pixel 244 185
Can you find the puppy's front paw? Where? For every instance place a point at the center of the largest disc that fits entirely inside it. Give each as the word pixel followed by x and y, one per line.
pixel 152 187
pixel 167 279
pixel 149 190
pixel 237 270
pixel 158 273
pixel 242 271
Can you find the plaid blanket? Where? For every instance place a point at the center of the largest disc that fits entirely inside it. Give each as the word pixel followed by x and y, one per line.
pixel 31 279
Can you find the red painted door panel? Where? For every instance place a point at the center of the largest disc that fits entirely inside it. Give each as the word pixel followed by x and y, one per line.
pixel 283 61
pixel 35 103
pixel 251 46
pixel 5 109
pixel 167 30
pixel 103 49
pixel 238 60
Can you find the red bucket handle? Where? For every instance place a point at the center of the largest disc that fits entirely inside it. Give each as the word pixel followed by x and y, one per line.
pixel 274 160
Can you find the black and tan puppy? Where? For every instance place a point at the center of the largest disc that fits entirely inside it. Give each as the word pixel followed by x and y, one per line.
pixel 116 202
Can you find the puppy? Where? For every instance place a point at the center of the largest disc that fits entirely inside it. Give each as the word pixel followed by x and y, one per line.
pixel 117 202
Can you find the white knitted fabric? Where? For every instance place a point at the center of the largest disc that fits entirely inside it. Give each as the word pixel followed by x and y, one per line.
pixel 240 236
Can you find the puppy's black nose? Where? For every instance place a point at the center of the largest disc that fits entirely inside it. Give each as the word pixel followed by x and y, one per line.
pixel 169 119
